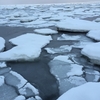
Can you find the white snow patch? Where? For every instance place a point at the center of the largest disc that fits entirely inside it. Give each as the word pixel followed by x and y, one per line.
pixel 94 34
pixel 2 43
pixel 75 70
pixel 20 97
pixel 21 79
pixel 45 31
pixel 88 91
pixel 1 80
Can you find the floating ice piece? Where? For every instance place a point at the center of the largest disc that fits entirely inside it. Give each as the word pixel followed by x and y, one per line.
pixel 75 70
pixel 92 75
pixel 20 97
pixel 31 38
pixel 19 14
pixel 64 58
pixel 61 49
pixel 27 19
pixel 92 51
pixel 77 25
pixel 88 91
pixel 31 98
pixel 97 19
pixel 45 31
pixel 38 97
pixel 67 83
pixel 3 64
pixel 69 37
pixel 28 90
pixel 2 44
pixel 76 80
pixel 39 21
pixel 29 47
pixel 21 53
pixel 1 80
pixel 94 34
pixel 21 81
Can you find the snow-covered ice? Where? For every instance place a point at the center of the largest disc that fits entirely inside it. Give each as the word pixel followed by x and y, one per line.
pixel 77 25
pixel 92 51
pixel 88 91
pixel 29 47
pixel 2 44
pixel 45 31
pixel 94 34
pixel 1 80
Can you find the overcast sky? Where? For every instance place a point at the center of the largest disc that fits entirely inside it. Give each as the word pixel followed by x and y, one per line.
pixel 2 2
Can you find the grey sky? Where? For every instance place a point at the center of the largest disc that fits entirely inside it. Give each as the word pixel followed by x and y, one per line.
pixel 40 1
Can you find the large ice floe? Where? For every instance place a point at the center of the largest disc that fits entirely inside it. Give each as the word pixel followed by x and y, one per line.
pixel 94 34
pixel 28 47
pixel 77 25
pixel 88 91
pixel 2 44
pixel 92 51
pixel 45 31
